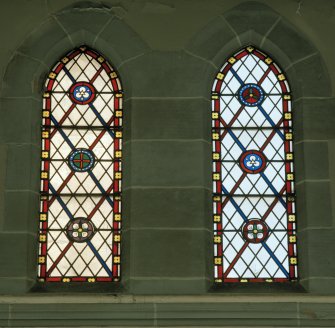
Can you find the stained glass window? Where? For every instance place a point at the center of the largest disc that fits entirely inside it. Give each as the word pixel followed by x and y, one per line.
pixel 80 198
pixel 253 178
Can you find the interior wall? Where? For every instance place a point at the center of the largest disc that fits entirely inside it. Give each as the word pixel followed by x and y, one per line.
pixel 167 54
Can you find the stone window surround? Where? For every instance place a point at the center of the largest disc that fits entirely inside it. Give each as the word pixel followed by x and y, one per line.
pixel 206 52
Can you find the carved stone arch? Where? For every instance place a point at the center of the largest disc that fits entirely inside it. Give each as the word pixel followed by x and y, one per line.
pixel 21 103
pixel 64 31
pixel 258 24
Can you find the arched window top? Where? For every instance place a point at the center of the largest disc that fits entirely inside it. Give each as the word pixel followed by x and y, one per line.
pixel 252 79
pixel 81 78
pixel 80 197
pixel 86 65
pixel 253 178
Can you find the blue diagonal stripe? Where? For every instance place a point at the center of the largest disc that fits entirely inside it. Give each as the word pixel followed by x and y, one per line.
pixel 273 188
pixel 103 263
pixel 236 139
pixel 238 209
pixel 63 133
pixel 60 201
pixel 66 210
pixel 96 181
pixel 237 76
pixel 275 259
pixel 102 121
pixel 270 120
pixel 69 74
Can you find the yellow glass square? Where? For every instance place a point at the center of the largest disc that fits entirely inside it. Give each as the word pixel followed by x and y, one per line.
pixel 215 136
pixel 46 95
pixel 44 175
pixel 291 218
pixel 117 238
pixel 118 134
pixel 287 97
pixel 216 199
pixel 216 156
pixel 118 175
pixel 218 260
pixel 65 60
pixel 43 238
pixel 45 134
pixel 215 96
pixel 220 76
pixel 41 259
pixel 281 77
pixel 52 75
pixel 288 136
pixel 232 60
pixel 268 60
pixel 293 260
pixel 116 259
pixel 216 218
pixel 289 156
pixel 118 95
pixel 113 75
pixel 118 113
pixel 292 239
pixel 118 153
pixel 45 154
pixel 101 59
pixel 215 115
pixel 217 239
pixel 216 176
pixel 250 49
pixel 45 113
pixel 117 217
pixel 288 116
pixel 91 280
pixel 43 217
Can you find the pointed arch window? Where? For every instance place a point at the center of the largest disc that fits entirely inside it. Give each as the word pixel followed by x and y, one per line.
pixel 80 197
pixel 253 178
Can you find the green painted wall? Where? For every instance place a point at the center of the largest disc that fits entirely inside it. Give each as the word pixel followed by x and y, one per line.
pixel 167 53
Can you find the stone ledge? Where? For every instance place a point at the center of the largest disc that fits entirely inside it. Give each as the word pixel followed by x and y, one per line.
pixel 38 298
pixel 156 311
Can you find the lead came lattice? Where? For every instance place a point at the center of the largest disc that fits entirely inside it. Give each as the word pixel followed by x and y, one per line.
pixel 253 178
pixel 80 211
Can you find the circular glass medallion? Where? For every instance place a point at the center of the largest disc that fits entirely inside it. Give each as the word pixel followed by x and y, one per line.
pixel 255 231
pixel 80 230
pixel 251 95
pixel 82 93
pixel 81 160
pixel 252 161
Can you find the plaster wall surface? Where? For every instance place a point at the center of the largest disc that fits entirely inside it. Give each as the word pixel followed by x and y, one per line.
pixel 167 54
